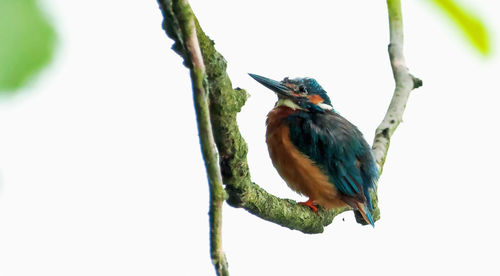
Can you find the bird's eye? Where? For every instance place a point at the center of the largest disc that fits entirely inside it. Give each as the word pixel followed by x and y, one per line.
pixel 302 89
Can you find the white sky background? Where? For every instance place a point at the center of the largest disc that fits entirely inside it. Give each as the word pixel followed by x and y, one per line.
pixel 100 166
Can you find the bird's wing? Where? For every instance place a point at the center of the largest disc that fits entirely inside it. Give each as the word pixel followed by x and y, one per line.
pixel 339 149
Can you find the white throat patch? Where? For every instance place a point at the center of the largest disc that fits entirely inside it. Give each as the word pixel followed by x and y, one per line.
pixel 325 106
pixel 288 103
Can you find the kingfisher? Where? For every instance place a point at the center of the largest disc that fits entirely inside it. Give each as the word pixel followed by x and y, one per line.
pixel 318 153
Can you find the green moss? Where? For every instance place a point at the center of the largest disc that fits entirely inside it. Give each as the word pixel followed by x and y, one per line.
pixel 225 103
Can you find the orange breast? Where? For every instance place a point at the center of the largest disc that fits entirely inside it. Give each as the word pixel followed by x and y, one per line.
pixel 299 172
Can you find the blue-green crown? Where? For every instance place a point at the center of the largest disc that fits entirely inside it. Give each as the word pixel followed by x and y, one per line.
pixel 309 86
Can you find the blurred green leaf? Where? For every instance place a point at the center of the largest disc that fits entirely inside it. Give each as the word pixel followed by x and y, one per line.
pixel 470 25
pixel 26 42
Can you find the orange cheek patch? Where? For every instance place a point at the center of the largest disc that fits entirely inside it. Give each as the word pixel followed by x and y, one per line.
pixel 315 99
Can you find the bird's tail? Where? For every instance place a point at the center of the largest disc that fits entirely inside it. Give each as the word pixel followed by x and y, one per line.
pixel 365 212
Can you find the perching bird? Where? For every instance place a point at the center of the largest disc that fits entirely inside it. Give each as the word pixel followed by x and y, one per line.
pixel 315 150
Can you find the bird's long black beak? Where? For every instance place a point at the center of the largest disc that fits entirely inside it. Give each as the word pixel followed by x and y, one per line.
pixel 276 86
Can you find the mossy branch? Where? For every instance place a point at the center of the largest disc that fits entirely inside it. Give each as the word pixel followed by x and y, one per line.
pixel 182 25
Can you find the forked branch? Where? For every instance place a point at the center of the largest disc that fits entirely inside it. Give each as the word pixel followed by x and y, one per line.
pixel 226 102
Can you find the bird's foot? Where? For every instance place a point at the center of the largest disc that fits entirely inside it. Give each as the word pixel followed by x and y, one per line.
pixel 310 204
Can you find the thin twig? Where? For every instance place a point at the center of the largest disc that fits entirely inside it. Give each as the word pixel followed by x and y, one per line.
pixel 192 53
pixel 405 83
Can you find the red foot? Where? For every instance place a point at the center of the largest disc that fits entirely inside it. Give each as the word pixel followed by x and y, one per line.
pixel 310 204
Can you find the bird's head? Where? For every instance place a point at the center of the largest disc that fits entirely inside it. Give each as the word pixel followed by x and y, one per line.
pixel 299 93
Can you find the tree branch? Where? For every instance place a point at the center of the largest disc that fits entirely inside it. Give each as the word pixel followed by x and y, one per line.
pixel 405 83
pixel 185 24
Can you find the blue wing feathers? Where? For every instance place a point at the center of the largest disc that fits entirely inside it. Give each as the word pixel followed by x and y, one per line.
pixel 369 215
pixel 338 148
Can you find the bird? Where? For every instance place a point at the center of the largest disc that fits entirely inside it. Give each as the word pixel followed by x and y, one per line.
pixel 318 153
